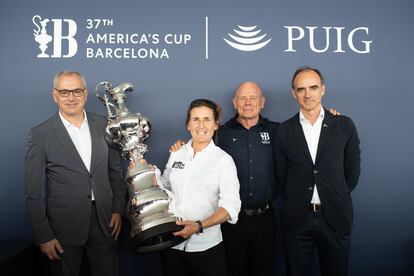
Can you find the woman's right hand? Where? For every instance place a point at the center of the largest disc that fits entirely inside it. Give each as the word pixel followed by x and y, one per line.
pixel 190 228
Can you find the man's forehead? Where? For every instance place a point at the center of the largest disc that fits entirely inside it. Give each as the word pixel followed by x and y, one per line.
pixel 308 83
pixel 69 79
pixel 248 90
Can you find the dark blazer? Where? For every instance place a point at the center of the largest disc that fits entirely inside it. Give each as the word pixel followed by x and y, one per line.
pixel 62 209
pixel 336 170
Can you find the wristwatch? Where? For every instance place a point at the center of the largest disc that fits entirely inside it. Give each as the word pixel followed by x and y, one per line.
pixel 200 227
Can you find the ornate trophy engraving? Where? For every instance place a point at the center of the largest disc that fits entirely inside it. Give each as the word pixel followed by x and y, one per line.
pixel 43 38
pixel 149 202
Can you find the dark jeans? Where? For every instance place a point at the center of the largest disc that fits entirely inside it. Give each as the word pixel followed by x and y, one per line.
pixel 316 237
pixel 211 262
pixel 250 245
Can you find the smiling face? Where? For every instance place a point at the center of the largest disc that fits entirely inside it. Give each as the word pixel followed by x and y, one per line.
pixel 248 101
pixel 308 90
pixel 202 125
pixel 70 106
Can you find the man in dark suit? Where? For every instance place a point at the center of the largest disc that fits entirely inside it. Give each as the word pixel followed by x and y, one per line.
pixel 317 159
pixel 85 192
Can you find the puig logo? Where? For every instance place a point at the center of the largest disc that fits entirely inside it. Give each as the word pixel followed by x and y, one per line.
pixel 43 38
pixel 248 39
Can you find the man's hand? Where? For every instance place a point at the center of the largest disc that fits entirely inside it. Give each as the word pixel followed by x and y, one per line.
pixel 177 145
pixel 334 112
pixel 115 224
pixel 190 228
pixel 51 249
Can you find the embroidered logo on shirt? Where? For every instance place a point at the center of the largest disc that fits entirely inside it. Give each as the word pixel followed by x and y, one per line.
pixel 234 139
pixel 265 137
pixel 178 165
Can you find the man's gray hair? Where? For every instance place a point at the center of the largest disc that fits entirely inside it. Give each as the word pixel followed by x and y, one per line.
pixel 68 73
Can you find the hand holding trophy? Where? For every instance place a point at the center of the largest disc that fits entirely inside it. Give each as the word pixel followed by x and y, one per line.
pixel 149 202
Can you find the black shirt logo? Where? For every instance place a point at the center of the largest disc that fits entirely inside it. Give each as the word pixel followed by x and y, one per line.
pixel 178 165
pixel 265 137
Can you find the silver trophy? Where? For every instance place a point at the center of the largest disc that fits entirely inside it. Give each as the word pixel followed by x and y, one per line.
pixel 149 202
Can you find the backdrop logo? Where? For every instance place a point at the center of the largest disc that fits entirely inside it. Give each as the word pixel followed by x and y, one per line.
pixel 313 35
pixel 60 26
pixel 247 39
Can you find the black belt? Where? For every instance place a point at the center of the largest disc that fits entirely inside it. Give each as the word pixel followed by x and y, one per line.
pixel 255 211
pixel 317 208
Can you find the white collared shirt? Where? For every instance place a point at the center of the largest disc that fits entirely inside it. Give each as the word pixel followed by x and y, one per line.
pixel 201 184
pixel 312 133
pixel 81 138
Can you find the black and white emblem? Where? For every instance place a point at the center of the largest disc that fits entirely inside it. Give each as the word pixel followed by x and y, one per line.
pixel 265 137
pixel 178 165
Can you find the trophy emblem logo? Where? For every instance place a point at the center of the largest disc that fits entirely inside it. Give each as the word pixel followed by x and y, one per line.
pixel 41 35
pixel 150 205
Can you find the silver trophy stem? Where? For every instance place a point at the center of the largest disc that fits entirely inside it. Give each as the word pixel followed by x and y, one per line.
pixel 137 155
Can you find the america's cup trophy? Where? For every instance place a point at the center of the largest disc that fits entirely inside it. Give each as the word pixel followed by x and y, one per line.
pixel 149 202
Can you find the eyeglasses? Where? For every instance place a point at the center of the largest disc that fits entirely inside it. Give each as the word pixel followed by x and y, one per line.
pixel 65 92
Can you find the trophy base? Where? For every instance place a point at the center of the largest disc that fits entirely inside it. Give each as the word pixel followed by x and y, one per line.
pixel 156 238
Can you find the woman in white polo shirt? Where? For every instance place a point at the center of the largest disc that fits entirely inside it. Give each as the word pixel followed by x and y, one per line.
pixel 203 179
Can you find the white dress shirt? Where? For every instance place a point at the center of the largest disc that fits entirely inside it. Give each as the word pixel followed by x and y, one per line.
pixel 81 138
pixel 312 133
pixel 201 184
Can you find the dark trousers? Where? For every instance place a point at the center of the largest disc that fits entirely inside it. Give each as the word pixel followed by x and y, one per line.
pixel 100 251
pixel 316 237
pixel 211 262
pixel 250 245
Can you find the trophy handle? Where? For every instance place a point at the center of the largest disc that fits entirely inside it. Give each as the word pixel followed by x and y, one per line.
pixel 36 32
pixel 107 86
pixel 109 111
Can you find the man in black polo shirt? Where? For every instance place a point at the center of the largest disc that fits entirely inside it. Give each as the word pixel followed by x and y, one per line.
pixel 250 243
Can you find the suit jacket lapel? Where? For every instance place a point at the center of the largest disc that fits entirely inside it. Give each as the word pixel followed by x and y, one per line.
pixel 326 131
pixel 64 138
pixel 300 137
pixel 94 130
